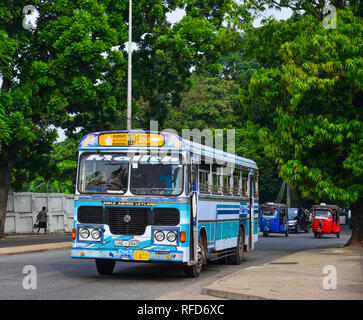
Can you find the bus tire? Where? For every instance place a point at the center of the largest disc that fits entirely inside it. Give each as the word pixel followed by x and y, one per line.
pixel 105 266
pixel 195 270
pixel 238 256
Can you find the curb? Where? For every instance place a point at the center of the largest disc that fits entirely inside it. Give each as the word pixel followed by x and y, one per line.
pixel 35 248
pixel 230 295
pixel 31 235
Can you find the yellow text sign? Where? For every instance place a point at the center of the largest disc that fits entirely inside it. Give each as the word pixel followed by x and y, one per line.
pixel 141 255
pixel 131 139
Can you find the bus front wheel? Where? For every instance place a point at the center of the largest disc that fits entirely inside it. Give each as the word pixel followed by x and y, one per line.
pixel 105 266
pixel 194 270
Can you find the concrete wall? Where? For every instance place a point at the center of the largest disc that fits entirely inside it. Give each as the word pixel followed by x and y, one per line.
pixel 23 207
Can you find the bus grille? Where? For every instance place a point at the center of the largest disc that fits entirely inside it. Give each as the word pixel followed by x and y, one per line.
pixel 166 217
pixel 128 221
pixel 90 214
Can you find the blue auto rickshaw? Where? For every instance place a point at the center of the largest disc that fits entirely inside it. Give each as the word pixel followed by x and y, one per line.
pixel 274 218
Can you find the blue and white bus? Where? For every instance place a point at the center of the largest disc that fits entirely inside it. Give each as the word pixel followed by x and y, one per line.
pixel 153 196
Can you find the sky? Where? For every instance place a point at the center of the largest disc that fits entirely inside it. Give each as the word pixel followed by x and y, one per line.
pixel 284 14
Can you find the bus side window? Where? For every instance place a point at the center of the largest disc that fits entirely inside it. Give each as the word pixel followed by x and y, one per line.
pixel 227 173
pixel 244 178
pixel 217 178
pixel 237 185
pixel 187 180
pixel 204 178
pixel 255 186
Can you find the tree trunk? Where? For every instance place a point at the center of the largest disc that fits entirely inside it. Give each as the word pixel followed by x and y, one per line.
pixel 6 168
pixel 357 224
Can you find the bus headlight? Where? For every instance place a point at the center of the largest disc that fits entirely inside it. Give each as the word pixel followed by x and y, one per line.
pixel 84 233
pixel 96 234
pixel 159 236
pixel 171 236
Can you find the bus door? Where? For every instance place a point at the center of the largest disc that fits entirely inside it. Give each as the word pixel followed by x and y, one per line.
pixel 251 215
pixel 193 245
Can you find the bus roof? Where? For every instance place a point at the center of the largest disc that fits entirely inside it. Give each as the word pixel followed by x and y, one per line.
pixel 170 142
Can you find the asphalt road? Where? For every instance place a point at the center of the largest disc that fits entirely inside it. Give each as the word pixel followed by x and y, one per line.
pixel 58 277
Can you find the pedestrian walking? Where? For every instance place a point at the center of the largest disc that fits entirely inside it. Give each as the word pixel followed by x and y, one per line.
pixel 42 218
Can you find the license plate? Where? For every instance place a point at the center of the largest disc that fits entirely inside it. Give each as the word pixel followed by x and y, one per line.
pixel 126 243
pixel 141 255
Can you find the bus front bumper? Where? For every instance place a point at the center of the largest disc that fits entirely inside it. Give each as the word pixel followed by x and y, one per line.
pixel 127 254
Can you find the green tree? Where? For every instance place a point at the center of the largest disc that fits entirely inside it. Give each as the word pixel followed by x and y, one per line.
pixel 58 173
pixel 48 74
pixel 211 104
pixel 316 88
pixel 70 72
pixel 208 104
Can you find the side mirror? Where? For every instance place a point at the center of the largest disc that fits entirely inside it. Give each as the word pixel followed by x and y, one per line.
pixel 74 184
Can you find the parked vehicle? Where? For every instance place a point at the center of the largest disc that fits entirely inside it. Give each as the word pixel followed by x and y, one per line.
pixel 274 219
pixel 326 219
pixel 298 220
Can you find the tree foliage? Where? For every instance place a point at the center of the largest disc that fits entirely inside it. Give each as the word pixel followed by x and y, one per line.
pixel 70 72
pixel 208 104
pixel 314 82
pixel 58 173
pixel 319 128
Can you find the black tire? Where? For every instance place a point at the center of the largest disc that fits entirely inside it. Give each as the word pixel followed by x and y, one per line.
pixel 337 234
pixel 195 270
pixel 297 229
pixel 315 235
pixel 286 233
pixel 238 256
pixel 105 266
pixel 265 234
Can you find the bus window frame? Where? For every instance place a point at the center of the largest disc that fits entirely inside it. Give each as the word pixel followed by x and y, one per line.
pixel 210 183
pixel 161 195
pixel 243 177
pixel 128 191
pixel 97 152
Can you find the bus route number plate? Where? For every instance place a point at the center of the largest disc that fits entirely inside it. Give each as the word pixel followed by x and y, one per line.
pixel 141 255
pixel 126 243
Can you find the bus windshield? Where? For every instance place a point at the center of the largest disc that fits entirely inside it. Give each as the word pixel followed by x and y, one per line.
pixel 150 175
pixel 103 173
pixel 269 212
pixel 157 179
